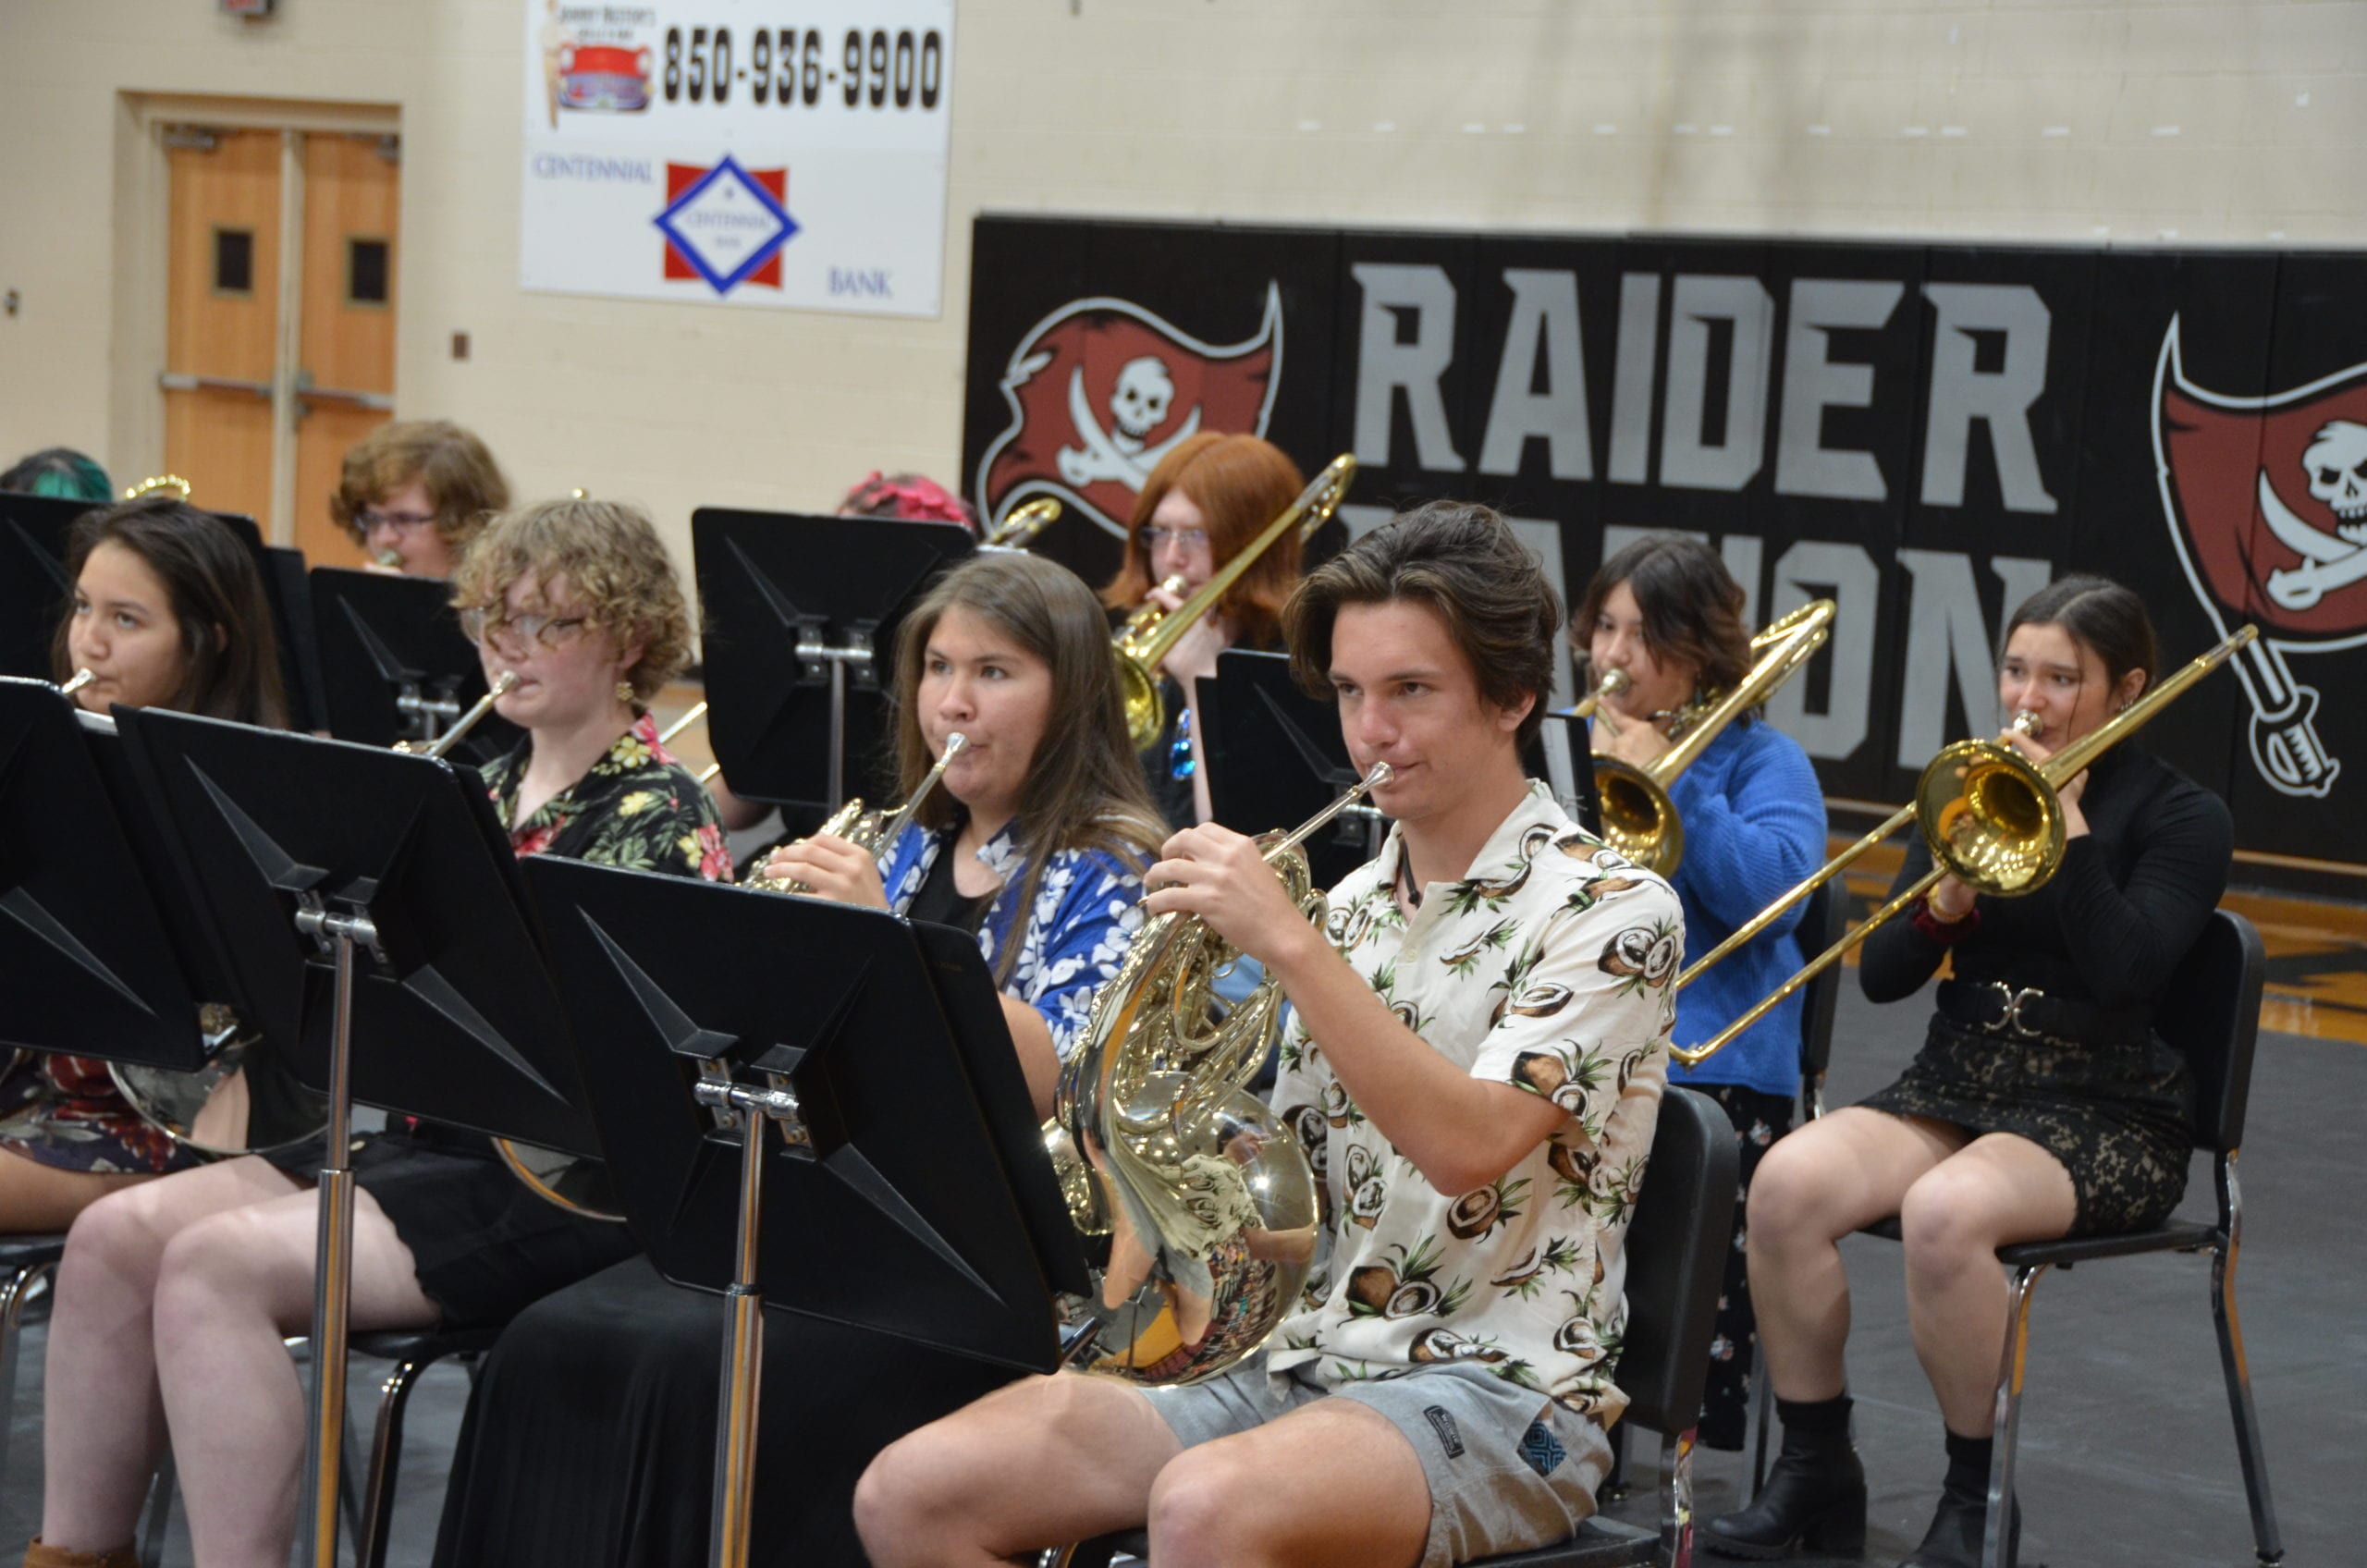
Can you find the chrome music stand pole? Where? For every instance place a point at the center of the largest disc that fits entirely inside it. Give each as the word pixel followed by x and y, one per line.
pixel 734 1507
pixel 333 1270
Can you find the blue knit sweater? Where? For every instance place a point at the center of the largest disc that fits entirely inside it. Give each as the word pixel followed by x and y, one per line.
pixel 1753 825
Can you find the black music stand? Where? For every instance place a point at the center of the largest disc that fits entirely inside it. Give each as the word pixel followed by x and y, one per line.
pixel 33 587
pixel 368 899
pixel 88 966
pixel 1275 756
pixel 801 612
pixel 395 664
pixel 909 1192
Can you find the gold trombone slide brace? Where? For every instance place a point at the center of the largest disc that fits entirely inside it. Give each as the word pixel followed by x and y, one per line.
pixel 1149 635
pixel 1021 524
pixel 1990 817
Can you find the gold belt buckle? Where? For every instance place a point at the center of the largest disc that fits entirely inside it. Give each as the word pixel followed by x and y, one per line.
pixel 2013 1015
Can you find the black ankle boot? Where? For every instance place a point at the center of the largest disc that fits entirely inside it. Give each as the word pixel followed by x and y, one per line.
pixel 1954 1539
pixel 1815 1495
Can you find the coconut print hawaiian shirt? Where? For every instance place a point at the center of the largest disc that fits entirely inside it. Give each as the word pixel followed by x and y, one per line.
pixel 1087 910
pixel 1548 966
pixel 636 807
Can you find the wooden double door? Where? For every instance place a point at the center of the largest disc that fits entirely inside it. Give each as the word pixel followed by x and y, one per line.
pixel 280 323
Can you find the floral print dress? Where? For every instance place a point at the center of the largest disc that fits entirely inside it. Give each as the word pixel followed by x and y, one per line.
pixel 628 809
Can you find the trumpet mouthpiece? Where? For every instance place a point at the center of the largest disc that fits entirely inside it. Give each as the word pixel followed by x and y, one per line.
pixel 387 559
pixel 1381 774
pixel 2027 724
pixel 1614 682
pixel 955 744
pixel 504 683
pixel 81 677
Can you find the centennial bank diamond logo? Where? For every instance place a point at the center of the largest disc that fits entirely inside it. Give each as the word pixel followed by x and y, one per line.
pixel 726 224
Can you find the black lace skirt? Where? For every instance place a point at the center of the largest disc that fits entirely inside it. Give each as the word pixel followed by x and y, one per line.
pixel 2117 1116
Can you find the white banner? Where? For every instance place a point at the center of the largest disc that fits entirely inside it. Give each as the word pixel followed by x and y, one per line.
pixel 738 152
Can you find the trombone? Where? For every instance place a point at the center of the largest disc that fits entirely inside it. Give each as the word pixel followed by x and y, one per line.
pixel 1991 818
pixel 1151 633
pixel 1639 818
pixel 1021 524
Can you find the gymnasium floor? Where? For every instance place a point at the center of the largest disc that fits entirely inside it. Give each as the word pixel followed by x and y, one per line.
pixel 2126 1446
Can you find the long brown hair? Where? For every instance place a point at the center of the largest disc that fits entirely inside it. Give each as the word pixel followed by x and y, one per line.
pixel 229 653
pixel 1691 605
pixel 1240 483
pixel 1084 788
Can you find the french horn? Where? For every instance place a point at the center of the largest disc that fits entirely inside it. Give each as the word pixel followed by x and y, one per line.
pixel 1196 1203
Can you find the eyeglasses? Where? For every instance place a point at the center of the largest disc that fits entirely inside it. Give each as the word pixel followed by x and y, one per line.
pixel 548 632
pixel 402 523
pixel 1191 541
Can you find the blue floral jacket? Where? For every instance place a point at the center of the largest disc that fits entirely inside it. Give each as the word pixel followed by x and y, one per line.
pixel 1088 909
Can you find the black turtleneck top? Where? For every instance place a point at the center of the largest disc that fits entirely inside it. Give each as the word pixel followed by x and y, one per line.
pixel 2111 925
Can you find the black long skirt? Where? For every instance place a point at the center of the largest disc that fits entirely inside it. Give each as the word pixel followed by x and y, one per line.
pixel 590 1438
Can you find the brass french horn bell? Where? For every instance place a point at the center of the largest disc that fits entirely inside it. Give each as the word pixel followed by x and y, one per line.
pixel 1151 633
pixel 1201 1196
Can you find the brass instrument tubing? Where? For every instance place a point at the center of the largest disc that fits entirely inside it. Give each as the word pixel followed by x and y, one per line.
pixel 1382 772
pixel 2053 773
pixel 955 744
pixel 502 686
pixel 697 712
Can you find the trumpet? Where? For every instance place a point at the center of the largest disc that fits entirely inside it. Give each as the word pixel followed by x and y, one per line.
pixel 1639 818
pixel 1204 1197
pixel 1020 526
pixel 1990 817
pixel 869 830
pixel 1151 633
pixel 179 487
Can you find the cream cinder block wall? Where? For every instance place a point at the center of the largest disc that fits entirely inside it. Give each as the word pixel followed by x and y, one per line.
pixel 2128 121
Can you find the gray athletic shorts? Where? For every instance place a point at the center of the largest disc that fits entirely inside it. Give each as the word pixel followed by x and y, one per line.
pixel 1509 1469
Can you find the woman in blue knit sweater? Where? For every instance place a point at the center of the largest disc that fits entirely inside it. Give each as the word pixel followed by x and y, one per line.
pixel 1666 612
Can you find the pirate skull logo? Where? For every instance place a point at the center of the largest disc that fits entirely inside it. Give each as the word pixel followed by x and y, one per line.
pixel 1139 404
pixel 2337 466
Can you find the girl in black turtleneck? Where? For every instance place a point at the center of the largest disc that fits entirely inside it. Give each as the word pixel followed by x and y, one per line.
pixel 2041 1105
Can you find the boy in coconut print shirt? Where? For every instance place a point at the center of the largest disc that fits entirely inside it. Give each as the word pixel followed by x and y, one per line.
pixel 1546 967
pixel 1479 1046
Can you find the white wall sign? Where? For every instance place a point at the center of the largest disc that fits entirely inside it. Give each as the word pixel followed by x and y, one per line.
pixel 738 152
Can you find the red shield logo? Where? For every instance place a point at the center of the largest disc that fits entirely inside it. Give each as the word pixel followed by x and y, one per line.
pixel 2266 499
pixel 1101 389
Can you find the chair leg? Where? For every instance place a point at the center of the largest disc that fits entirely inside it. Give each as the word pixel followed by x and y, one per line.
pixel 386 1460
pixel 1997 1543
pixel 13 1292
pixel 159 1512
pixel 1677 1500
pixel 2267 1542
pixel 1762 1394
